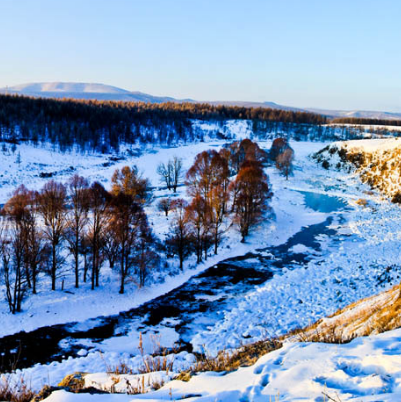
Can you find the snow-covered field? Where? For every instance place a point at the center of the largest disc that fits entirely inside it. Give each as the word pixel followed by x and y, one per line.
pixel 349 266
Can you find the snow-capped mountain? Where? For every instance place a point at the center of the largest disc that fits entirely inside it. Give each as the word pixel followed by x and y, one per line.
pixel 74 87
pixel 82 90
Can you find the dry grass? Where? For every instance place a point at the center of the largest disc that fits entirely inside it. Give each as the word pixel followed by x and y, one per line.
pixel 11 391
pixel 225 361
pixel 362 202
pixel 131 389
pixel 73 382
pixel 158 361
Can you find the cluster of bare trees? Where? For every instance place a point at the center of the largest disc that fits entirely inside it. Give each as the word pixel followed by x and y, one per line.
pixel 81 225
pixel 199 225
pixel 41 231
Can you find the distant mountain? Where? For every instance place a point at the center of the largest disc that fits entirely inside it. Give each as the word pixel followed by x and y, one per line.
pixel 79 90
pixel 67 87
pixel 366 114
pixel 270 105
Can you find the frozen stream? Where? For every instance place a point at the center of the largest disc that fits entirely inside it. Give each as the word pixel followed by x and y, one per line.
pixel 186 310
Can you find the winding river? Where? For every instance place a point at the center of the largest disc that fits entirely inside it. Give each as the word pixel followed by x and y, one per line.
pixel 197 304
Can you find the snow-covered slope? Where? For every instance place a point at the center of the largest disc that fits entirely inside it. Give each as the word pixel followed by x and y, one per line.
pixel 372 315
pixel 81 90
pixel 377 161
pixel 364 370
pixel 67 87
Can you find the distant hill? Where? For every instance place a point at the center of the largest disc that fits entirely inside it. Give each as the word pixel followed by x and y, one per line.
pixel 366 114
pixel 79 90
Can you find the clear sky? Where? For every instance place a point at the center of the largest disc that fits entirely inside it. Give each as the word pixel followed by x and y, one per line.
pixel 324 53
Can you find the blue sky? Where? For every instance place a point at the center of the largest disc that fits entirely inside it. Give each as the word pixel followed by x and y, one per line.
pixel 326 53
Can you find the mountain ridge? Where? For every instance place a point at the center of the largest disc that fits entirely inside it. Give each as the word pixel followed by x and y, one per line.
pixel 98 91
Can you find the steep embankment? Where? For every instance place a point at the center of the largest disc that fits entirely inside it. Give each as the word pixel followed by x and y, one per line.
pixel 369 316
pixel 377 161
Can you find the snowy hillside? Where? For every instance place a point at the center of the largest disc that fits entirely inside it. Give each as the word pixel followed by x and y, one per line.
pixel 82 90
pixel 66 87
pixel 373 315
pixel 377 161
pixel 365 370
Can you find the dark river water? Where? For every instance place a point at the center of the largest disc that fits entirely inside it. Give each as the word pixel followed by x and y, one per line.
pixel 197 304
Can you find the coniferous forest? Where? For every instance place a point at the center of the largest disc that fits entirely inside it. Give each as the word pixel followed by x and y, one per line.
pixel 104 126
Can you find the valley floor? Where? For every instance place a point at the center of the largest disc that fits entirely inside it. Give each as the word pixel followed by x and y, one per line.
pixel 358 260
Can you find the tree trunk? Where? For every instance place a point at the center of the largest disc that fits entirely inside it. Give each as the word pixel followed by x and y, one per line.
pixel 54 266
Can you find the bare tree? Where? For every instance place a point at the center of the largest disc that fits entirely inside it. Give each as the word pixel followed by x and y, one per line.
pixel 99 200
pixel 219 197
pixel 279 145
pixel 200 175
pixel 12 250
pixel 110 247
pixel 178 241
pixel 51 206
pixel 36 253
pixel 145 257
pixel 251 193
pixel 171 172
pixel 198 216
pixel 246 150
pixel 164 205
pixel 177 172
pixel 77 218
pixel 85 249
pixel 164 170
pixel 129 181
pixel 284 162
pixel 21 209
pixel 125 215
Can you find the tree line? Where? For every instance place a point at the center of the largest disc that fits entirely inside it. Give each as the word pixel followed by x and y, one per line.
pixel 366 121
pixel 38 229
pixel 105 125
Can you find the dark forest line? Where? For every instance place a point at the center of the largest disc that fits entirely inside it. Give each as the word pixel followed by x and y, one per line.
pixel 365 121
pixel 105 125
